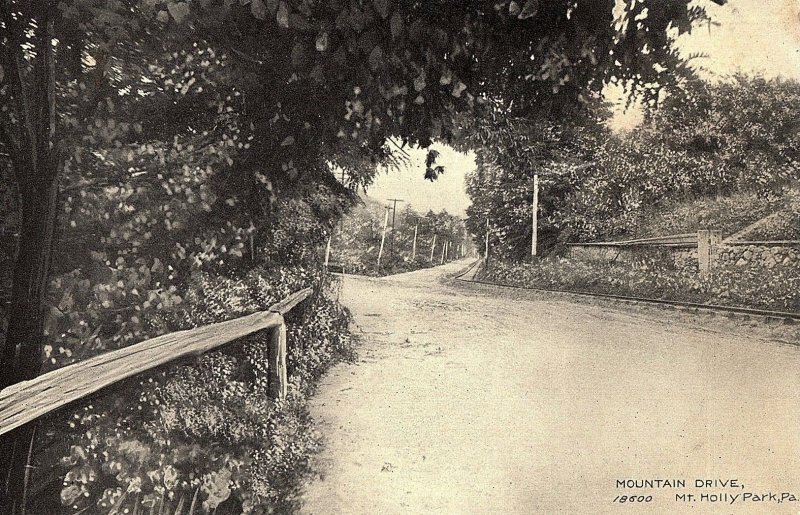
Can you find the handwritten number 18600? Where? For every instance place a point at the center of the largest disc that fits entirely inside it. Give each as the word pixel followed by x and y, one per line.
pixel 633 498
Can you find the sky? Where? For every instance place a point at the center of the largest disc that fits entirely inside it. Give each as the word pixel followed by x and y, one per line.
pixel 446 192
pixel 759 37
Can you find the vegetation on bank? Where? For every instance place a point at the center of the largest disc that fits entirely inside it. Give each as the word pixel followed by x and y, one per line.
pixel 708 156
pixel 776 288
pixel 203 434
pixel 726 213
pixel 720 156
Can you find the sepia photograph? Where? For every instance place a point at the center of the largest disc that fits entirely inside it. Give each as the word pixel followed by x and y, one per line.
pixel 378 257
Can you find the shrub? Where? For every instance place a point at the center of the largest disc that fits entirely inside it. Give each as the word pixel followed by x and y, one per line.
pixel 206 433
pixel 659 277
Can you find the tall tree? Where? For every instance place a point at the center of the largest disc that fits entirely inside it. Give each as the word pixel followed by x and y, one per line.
pixel 28 134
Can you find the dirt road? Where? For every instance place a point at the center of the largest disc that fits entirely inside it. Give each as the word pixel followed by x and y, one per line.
pixel 475 399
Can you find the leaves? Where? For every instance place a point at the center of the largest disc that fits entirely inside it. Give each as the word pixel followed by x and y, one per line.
pixel 530 10
pixel 321 43
pixel 282 16
pixel 179 11
pixel 396 25
pixel 446 78
pixel 258 9
pixel 70 494
pixel 458 89
pixel 376 58
pixel 382 7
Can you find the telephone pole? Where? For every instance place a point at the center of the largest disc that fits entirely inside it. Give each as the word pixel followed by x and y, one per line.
pixel 414 245
pixel 486 252
pixel 394 214
pixel 328 250
pixel 535 210
pixel 383 237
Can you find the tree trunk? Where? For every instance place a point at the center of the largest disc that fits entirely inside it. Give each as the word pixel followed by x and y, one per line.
pixel 22 352
pixel 21 358
pixel 36 164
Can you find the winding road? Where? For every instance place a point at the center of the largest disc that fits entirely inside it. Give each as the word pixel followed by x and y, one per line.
pixel 469 398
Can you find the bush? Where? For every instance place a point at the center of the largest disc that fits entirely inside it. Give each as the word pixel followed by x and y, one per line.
pixel 206 433
pixel 727 214
pixel 660 278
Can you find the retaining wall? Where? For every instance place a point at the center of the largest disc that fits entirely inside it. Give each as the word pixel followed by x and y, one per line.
pixel 758 256
pixel 707 251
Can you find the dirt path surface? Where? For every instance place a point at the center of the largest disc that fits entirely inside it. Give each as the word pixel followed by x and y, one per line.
pixel 477 399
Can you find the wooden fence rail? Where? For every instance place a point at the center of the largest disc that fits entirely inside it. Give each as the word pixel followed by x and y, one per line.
pixel 24 402
pixel 672 239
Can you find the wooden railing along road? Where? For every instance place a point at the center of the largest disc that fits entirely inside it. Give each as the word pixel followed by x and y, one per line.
pixel 24 402
pixel 689 239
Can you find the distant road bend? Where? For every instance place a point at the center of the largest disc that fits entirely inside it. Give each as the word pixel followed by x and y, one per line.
pixel 476 399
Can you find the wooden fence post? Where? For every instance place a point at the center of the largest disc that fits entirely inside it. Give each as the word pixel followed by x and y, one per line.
pixel 707 242
pixel 278 375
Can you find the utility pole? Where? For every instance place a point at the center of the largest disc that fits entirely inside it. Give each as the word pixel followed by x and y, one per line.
pixel 414 245
pixel 433 246
pixel 394 214
pixel 383 237
pixel 486 252
pixel 535 210
pixel 328 249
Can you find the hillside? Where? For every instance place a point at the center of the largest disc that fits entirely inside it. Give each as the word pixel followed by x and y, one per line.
pixel 728 214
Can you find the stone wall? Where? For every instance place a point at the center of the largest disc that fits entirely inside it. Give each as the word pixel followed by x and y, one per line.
pixel 745 254
pixel 758 256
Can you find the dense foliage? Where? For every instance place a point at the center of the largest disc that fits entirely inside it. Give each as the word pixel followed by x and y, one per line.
pixel 512 151
pixel 205 435
pixel 703 141
pixel 660 277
